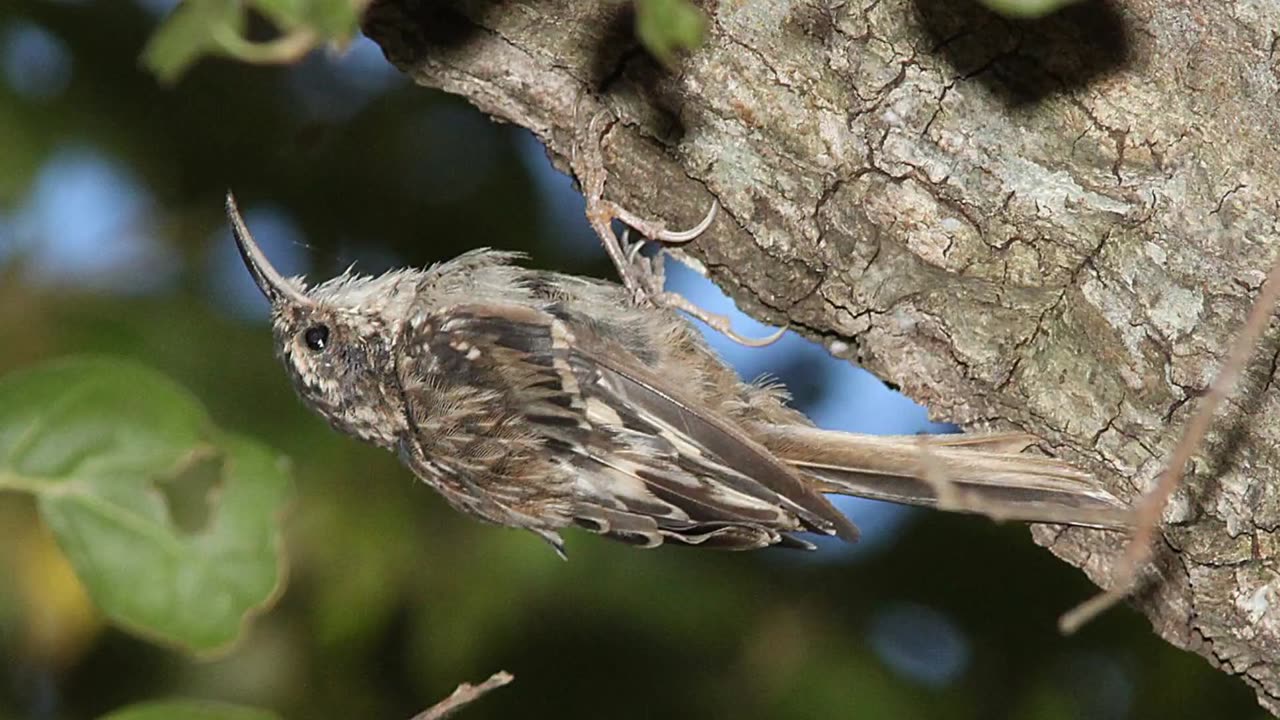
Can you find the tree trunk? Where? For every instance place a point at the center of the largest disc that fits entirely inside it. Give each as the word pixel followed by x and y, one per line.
pixel 1053 225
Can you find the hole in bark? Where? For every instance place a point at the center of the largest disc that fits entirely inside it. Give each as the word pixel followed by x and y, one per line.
pixel 616 46
pixel 619 58
pixel 440 25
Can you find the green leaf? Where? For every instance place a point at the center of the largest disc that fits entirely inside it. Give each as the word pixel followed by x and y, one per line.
pixel 1027 9
pixel 203 27
pixel 666 27
pixel 189 710
pixel 171 524
pixel 191 31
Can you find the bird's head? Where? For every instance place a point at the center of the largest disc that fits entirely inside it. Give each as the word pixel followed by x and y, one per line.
pixel 336 339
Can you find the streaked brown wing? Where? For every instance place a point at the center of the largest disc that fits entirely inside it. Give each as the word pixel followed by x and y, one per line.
pixel 655 460
pixel 677 411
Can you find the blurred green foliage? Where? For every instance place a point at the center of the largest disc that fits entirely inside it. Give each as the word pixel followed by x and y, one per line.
pixel 171 526
pixel 393 597
pixel 668 27
pixel 218 27
pixel 200 27
pixel 188 710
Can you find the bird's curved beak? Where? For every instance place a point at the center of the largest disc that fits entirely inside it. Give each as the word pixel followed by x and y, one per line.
pixel 270 282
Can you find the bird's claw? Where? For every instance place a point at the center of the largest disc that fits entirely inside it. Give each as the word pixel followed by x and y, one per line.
pixel 643 277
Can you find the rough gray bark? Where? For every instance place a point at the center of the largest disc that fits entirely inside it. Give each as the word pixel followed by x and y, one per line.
pixel 1053 225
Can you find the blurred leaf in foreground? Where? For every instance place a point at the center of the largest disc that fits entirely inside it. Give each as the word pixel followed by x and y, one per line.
pixel 203 27
pixel 171 524
pixel 1027 9
pixel 189 710
pixel 666 27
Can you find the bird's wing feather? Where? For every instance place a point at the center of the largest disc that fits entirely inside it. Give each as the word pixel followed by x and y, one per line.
pixel 677 411
pixel 651 460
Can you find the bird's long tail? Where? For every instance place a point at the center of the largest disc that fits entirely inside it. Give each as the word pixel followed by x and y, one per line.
pixel 979 473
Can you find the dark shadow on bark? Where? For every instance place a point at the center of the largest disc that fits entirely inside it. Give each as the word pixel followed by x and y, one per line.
pixel 621 65
pixel 616 48
pixel 1025 61
pixel 413 27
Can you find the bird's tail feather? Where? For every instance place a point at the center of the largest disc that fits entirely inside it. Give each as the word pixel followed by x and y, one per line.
pixel 976 473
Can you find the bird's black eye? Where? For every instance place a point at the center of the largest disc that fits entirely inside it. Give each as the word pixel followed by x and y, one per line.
pixel 317 337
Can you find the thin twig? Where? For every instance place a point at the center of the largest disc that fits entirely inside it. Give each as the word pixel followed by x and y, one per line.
pixel 284 50
pixel 1150 508
pixel 464 694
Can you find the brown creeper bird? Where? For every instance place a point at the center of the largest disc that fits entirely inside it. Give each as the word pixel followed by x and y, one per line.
pixel 538 400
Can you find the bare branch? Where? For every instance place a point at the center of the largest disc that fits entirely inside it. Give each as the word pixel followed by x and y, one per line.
pixel 464 694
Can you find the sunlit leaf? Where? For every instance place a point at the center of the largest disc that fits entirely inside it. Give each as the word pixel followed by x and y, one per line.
pixel 171 524
pixel 1027 8
pixel 189 710
pixel 667 27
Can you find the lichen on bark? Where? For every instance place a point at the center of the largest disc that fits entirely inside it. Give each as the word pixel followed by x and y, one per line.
pixel 1054 225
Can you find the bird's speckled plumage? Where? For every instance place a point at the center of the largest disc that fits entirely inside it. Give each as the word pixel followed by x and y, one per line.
pixel 539 400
